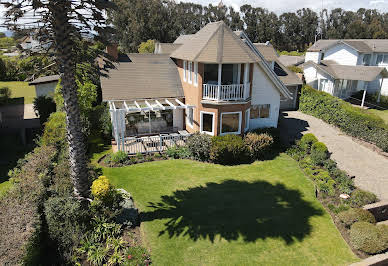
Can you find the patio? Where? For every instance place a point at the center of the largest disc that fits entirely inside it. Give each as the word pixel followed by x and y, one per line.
pixel 148 126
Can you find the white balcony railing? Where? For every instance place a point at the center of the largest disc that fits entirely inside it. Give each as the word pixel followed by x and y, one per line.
pixel 234 92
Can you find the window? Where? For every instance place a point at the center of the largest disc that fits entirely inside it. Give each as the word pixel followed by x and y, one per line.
pixel 247 119
pixel 190 117
pixel 322 56
pixel 196 73
pixel 260 111
pixel 190 71
pixel 322 84
pixel 366 60
pixel 207 123
pixel 382 60
pixel 184 70
pixel 231 123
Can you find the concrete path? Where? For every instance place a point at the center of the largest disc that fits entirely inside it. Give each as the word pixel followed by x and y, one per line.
pixel 369 168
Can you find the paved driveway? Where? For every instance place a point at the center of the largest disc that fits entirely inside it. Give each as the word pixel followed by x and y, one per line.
pixel 369 168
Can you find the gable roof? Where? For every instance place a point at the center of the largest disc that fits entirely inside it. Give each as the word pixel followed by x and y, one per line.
pixel 360 45
pixel 183 38
pixel 270 55
pixel 142 76
pixel 46 79
pixel 215 43
pixel 336 71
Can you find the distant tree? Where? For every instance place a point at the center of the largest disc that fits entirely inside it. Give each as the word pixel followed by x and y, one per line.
pixel 147 47
pixel 2 35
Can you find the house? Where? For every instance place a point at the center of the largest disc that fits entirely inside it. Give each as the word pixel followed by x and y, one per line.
pixel 45 86
pixel 31 43
pixel 343 67
pixel 214 82
pixel 289 78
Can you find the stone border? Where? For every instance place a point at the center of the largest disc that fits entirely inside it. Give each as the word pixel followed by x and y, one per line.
pixel 379 210
pixel 377 260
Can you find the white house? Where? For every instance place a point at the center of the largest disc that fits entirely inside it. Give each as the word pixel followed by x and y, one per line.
pixel 343 67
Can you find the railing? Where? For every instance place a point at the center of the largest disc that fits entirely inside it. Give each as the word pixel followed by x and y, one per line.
pixel 234 92
pixel 152 144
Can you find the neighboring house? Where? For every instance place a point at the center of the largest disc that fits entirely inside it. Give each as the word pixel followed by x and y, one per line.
pixel 289 78
pixel 45 86
pixel 215 82
pixel 291 60
pixel 31 43
pixel 343 67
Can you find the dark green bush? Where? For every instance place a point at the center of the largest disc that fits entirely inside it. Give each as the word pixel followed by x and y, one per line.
pixel 351 120
pixel 55 130
pixel 367 237
pixel 178 152
pixel 99 118
pixel 44 106
pixel 296 152
pixel 319 153
pixel 353 215
pixel 307 141
pixel 229 150
pixel 5 95
pixel 67 222
pixel 360 198
pixel 199 146
pixel 258 144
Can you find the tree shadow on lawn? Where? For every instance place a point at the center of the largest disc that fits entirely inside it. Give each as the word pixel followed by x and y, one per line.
pixel 257 210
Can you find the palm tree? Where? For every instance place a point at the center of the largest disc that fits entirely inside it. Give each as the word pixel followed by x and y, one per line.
pixel 60 23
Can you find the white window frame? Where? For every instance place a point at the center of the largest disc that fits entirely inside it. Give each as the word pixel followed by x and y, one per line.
pixel 184 70
pixel 201 124
pixel 188 122
pixel 190 70
pixel 239 123
pixel 196 74
pixel 247 117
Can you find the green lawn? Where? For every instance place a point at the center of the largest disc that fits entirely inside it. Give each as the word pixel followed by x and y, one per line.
pixel 381 113
pixel 20 90
pixel 204 214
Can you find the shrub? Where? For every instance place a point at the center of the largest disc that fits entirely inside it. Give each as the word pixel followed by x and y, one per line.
pixel 296 152
pixel 101 188
pixel 360 198
pixel 178 152
pixel 229 150
pixel 354 215
pixel 5 95
pixel 319 153
pixel 66 222
pixel 119 157
pixel 367 237
pixel 44 106
pixel 55 130
pixel 326 187
pixel 307 141
pixel 295 69
pixel 258 144
pixel 351 120
pixel 99 118
pixel 199 146
pixel 136 255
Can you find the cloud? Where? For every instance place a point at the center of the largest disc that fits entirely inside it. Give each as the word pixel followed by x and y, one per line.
pixel 376 2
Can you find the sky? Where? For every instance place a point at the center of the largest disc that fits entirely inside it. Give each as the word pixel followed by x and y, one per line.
pixel 280 6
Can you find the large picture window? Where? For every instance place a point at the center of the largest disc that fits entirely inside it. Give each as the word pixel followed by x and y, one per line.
pixel 207 123
pixel 260 111
pixel 190 117
pixel 231 123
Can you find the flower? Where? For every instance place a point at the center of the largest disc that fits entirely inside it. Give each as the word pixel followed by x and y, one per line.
pixel 129 257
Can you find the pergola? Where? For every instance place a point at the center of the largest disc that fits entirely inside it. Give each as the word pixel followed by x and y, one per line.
pixel 119 108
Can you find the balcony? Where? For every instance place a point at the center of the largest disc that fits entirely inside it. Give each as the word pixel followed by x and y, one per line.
pixel 233 92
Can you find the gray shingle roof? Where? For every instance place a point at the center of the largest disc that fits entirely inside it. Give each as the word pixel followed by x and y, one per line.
pixel 364 73
pixel 289 60
pixel 165 48
pixel 142 76
pixel 361 45
pixel 267 51
pixel 46 79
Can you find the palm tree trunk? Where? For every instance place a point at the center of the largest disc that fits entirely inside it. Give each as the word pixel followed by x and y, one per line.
pixel 75 137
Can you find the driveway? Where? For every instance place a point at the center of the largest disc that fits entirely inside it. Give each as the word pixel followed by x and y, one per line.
pixel 369 168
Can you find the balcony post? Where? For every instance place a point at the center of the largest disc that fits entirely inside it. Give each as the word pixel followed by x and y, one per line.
pixel 219 82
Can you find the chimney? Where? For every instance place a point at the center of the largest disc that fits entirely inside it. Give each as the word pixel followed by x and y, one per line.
pixel 112 50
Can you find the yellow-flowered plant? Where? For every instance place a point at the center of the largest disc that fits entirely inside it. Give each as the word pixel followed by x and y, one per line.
pixel 101 188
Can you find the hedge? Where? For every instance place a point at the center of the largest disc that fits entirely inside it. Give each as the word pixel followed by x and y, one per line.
pixel 351 120
pixel 368 237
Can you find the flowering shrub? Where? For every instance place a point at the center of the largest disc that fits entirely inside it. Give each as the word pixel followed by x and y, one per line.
pixel 258 144
pixel 101 188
